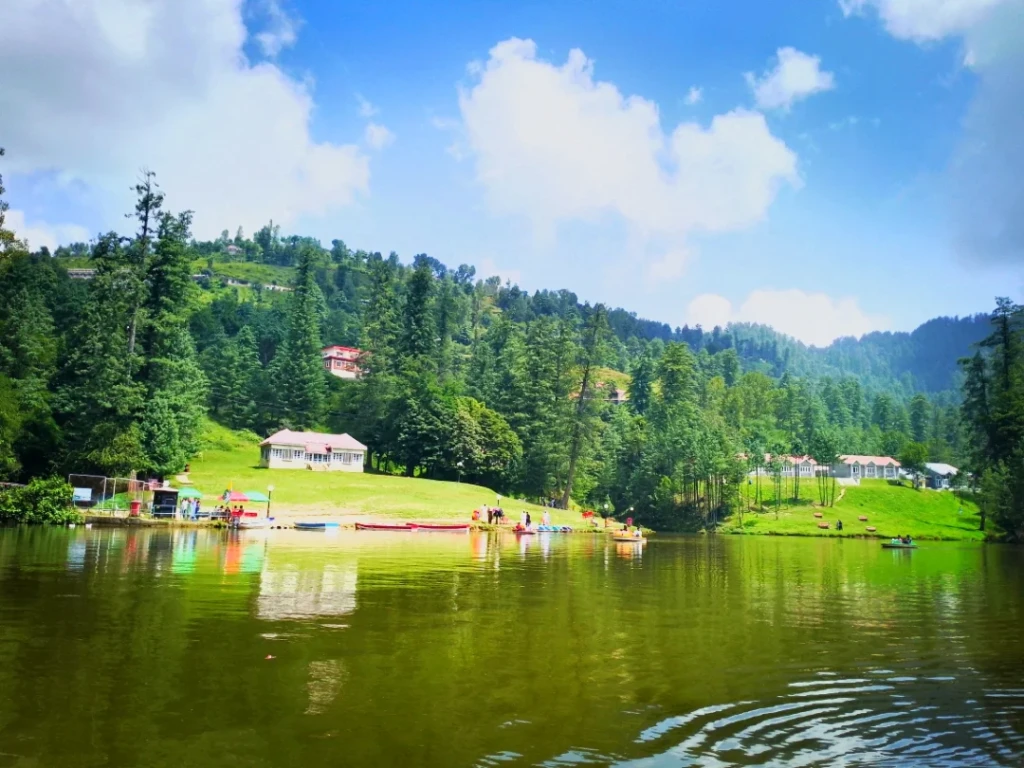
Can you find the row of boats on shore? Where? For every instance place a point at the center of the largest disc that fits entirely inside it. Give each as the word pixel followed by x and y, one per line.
pixel 253 521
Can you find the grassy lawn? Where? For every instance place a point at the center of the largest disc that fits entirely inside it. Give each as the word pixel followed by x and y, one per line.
pixel 231 458
pixel 892 509
pixel 267 274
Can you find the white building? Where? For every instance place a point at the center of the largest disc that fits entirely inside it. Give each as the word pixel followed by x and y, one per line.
pixel 866 467
pixel 343 362
pixel 312 450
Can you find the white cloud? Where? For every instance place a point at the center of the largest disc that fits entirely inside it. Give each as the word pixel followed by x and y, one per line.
pixel 694 95
pixel 984 181
pixel 38 233
pixel 923 20
pixel 104 88
pixel 813 318
pixel 282 30
pixel 552 144
pixel 796 76
pixel 366 109
pixel 378 136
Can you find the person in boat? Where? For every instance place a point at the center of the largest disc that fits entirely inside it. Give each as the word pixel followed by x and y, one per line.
pixel 529 522
pixel 546 518
pixel 638 533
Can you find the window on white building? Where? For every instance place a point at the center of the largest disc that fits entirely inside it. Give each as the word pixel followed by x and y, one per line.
pixel 890 471
pixel 277 453
pixel 806 470
pixel 298 454
pixel 317 458
pixel 870 470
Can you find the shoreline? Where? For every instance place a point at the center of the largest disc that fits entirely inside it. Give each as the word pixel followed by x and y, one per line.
pixel 288 524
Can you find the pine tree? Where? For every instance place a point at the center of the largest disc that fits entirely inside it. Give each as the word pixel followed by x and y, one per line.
pixel 381 324
pixel 101 401
pixel 919 418
pixel 300 377
pixel 418 333
pixel 591 353
pixel 640 384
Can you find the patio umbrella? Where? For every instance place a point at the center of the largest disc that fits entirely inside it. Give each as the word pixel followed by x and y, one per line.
pixel 189 493
pixel 257 496
pixel 231 496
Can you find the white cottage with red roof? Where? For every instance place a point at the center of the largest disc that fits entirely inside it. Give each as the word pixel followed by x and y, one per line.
pixel 312 450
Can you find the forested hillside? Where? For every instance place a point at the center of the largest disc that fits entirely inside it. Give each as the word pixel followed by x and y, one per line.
pixel 464 377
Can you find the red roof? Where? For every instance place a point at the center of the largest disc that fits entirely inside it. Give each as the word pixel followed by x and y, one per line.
pixel 337 349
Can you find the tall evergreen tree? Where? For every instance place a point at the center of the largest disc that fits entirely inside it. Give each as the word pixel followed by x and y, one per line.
pixel 591 352
pixel 418 334
pixel 300 377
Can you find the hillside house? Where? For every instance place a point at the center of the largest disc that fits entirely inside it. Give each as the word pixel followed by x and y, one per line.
pixel 803 467
pixel 857 468
pixel 939 476
pixel 343 362
pixel 312 450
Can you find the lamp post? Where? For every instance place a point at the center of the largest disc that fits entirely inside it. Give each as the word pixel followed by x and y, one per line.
pixel 270 491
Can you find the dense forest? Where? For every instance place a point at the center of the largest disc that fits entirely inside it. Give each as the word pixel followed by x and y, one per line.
pixel 464 377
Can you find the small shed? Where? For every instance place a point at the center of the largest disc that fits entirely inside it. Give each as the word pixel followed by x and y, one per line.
pixel 165 502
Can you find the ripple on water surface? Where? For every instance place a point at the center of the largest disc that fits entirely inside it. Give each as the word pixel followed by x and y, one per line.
pixel 847 721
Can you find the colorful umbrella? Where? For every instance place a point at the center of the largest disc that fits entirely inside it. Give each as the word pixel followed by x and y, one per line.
pixel 257 496
pixel 231 496
pixel 189 493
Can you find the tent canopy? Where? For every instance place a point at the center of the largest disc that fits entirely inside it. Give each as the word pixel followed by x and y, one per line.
pixel 235 496
pixel 189 493
pixel 257 496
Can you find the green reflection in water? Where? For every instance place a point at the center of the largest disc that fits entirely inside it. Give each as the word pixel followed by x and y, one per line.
pixel 149 648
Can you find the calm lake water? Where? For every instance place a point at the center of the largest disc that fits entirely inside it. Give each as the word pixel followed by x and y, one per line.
pixel 150 648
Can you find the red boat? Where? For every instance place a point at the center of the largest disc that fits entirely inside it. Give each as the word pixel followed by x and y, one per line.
pixel 442 526
pixel 382 527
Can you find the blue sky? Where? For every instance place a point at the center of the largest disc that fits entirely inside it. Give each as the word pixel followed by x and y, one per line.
pixel 827 167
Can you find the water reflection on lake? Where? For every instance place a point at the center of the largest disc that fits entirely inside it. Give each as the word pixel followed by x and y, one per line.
pixel 150 648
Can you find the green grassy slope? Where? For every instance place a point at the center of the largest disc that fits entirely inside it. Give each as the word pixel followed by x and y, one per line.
pixel 892 509
pixel 231 458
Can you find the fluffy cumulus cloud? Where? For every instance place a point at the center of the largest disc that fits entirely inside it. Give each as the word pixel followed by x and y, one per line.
pixel 796 75
pixel 813 318
pixel 37 234
pixel 97 89
pixel 985 191
pixel 553 144
pixel 924 19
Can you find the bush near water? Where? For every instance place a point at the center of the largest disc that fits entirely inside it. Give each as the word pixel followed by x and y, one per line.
pixel 43 500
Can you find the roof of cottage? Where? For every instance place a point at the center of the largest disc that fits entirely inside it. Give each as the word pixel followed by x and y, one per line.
pixel 314 442
pixel 881 461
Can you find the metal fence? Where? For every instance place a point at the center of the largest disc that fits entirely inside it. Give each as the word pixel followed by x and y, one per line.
pixel 108 495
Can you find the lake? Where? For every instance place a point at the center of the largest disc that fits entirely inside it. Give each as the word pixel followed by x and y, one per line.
pixel 283 648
